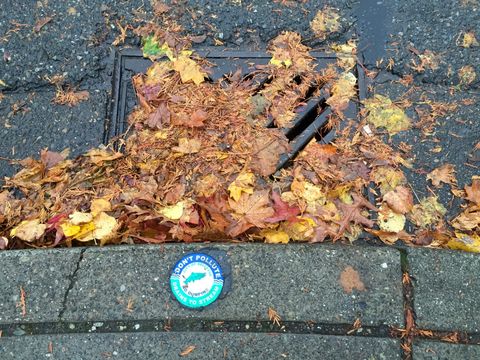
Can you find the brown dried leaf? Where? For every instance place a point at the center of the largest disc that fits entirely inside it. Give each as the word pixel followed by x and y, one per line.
pixel 250 210
pixel 473 191
pixel 399 199
pixel 350 279
pixel 443 174
pixel 159 118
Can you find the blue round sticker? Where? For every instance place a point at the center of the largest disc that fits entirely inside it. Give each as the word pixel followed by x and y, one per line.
pixel 196 280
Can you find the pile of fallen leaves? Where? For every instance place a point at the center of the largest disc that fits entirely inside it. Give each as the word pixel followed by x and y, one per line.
pixel 200 164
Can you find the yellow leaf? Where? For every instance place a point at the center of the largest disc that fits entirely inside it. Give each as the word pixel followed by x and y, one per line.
pixel 326 21
pixel 384 113
pixel 301 230
pixel 343 90
pixel 469 39
pixel 428 212
pixel 281 62
pixel 465 242
pixel 309 192
pixel 78 218
pixel 105 227
pixel 242 184
pixel 69 229
pixel 390 221
pixel 99 205
pixel 467 75
pixel 189 70
pixel 157 72
pixel 188 146
pixel 173 212
pixel 387 178
pixel 274 236
pixel 29 230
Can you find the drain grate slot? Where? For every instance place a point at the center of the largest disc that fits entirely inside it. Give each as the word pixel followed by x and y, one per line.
pixel 311 118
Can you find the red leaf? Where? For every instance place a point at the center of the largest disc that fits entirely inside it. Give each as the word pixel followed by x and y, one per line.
pixel 283 211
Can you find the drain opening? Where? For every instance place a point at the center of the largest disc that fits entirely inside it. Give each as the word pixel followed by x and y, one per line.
pixel 311 120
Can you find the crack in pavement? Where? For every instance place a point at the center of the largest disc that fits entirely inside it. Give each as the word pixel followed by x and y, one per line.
pixel 72 277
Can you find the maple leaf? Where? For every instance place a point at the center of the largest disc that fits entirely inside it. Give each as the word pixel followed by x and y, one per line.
pixel 473 191
pixel 189 70
pixel 250 210
pixel 283 211
pixel 428 212
pixel 384 113
pixel 443 174
pixel 160 117
pixel 217 208
pixel 99 156
pixel 29 230
pixel 326 21
pixel 399 199
pixel 351 213
pixel 242 184
pixel 198 118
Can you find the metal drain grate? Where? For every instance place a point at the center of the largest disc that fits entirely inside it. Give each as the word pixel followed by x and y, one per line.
pixel 310 120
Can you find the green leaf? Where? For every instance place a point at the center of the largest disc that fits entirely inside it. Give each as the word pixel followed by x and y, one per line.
pixel 152 49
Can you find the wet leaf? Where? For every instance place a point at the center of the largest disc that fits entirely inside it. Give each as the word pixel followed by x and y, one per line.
pixel 250 210
pixel 399 199
pixel 29 230
pixel 473 191
pixel 188 146
pixel 283 211
pixel 152 48
pixel 325 22
pixel 469 39
pixel 41 23
pixel 99 205
pixel 189 70
pixel 342 91
pixel 444 174
pixel 384 113
pixel 160 117
pixel 52 158
pixel 350 280
pixel 173 212
pixel 390 221
pixel 275 236
pixel 469 219
pixel 465 242
pixel 242 184
pixel 467 75
pixel 428 212
pixel 387 178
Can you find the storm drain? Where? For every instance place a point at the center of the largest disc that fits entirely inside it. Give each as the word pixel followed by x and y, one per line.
pixel 311 118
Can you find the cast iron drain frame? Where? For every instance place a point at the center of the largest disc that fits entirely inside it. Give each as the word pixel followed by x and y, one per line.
pixel 130 61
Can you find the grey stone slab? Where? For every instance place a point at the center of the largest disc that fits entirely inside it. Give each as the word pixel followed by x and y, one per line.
pixel 446 289
pixel 144 346
pixel 44 275
pixel 432 350
pixel 301 282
